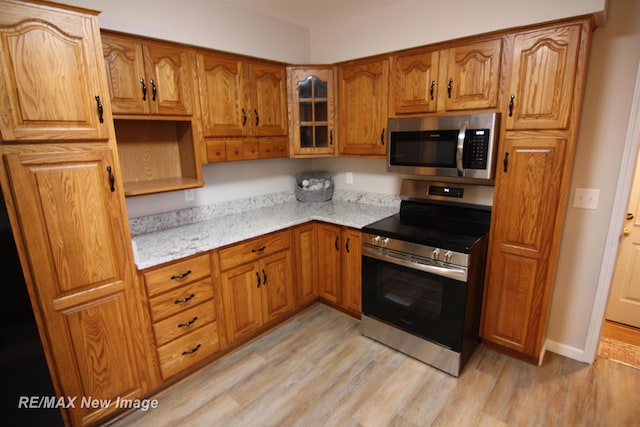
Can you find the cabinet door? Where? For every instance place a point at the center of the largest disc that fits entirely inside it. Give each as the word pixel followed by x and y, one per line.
pixel 268 113
pixel 241 300
pixel 168 69
pixel 222 95
pixel 524 222
pixel 277 285
pixel 329 262
pixel 80 261
pixel 51 79
pixel 306 263
pixel 352 270
pixel 362 103
pixel 128 84
pixel 414 83
pixel 472 76
pixel 312 111
pixel 542 78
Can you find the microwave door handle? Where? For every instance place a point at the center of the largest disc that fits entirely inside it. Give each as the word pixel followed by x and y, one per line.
pixel 460 148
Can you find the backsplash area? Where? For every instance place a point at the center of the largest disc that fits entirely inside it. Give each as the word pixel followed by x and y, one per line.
pixel 163 221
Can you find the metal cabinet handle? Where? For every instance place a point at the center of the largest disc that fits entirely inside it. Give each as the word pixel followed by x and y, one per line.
pixel 264 275
pixel 193 350
pixel 187 324
pixel 260 249
pixel 336 243
pixel 100 109
pixel 449 86
pixel 505 162
pixel 154 90
pixel 257 117
pixel 244 117
pixel 331 137
pixel 183 300
pixel 144 89
pixel 347 245
pixel 433 83
pixel 511 105
pixel 181 276
pixel 382 137
pixel 258 276
pixel 112 179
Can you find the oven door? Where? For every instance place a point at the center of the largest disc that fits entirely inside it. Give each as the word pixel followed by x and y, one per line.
pixel 422 303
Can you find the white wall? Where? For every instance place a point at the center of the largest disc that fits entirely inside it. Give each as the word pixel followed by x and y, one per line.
pixel 213 24
pixel 413 23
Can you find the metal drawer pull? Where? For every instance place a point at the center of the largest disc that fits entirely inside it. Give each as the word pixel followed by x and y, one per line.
pixel 189 323
pixel 178 301
pixel 193 350
pixel 259 249
pixel 181 276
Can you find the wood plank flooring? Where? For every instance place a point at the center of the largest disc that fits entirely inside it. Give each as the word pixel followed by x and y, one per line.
pixel 620 343
pixel 318 370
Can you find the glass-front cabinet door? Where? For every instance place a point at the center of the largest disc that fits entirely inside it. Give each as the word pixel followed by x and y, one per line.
pixel 312 111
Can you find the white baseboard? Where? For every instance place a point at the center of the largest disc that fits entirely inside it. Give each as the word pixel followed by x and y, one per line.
pixel 566 351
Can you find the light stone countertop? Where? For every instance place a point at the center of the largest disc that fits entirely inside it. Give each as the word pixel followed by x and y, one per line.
pixel 154 248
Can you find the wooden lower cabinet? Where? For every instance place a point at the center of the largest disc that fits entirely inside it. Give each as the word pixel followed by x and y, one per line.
pixel 306 263
pixel 257 284
pixel 340 266
pixel 184 300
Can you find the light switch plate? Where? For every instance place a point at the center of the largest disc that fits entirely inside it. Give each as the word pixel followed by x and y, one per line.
pixel 189 195
pixel 586 198
pixel 349 178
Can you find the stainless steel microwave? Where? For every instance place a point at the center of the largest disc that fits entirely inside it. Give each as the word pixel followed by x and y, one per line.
pixel 459 145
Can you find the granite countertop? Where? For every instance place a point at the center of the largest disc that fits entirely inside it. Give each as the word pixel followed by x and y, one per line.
pixel 154 248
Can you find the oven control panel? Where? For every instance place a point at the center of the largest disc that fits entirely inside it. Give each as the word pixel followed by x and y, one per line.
pixel 390 246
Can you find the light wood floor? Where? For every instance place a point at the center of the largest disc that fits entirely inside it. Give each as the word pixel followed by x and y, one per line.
pixel 318 370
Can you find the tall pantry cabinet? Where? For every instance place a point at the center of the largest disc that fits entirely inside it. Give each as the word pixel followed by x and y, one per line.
pixel 61 181
pixel 540 113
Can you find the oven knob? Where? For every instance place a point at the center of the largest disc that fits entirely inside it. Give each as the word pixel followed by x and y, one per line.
pixel 447 256
pixel 435 253
pixel 376 240
pixel 385 242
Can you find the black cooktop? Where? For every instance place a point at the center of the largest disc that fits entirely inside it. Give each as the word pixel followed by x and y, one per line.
pixel 447 227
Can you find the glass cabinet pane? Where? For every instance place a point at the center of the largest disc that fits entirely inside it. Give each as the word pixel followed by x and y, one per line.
pixel 320 88
pixel 322 136
pixel 306 112
pixel 306 136
pixel 321 112
pixel 304 88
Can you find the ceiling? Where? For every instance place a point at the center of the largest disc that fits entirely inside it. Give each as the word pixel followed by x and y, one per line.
pixel 308 13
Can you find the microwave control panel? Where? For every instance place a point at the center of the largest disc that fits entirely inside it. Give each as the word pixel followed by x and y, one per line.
pixel 475 148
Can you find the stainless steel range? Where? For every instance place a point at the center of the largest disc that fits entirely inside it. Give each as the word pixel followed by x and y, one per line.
pixel 423 272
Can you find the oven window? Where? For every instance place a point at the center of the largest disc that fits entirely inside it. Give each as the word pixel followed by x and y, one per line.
pixel 424 304
pixel 424 148
pixel 400 288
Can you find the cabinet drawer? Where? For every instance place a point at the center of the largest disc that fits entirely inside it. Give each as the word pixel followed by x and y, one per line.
pixel 177 300
pixel 189 349
pixel 177 274
pixel 253 249
pixel 184 322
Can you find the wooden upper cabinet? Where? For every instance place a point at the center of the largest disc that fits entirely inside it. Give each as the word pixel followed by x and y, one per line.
pixel 81 273
pixel 543 78
pixel 312 98
pixel 241 97
pixel 52 83
pixel 223 102
pixel 147 77
pixel 464 77
pixel 363 96
pixel 472 77
pixel 268 83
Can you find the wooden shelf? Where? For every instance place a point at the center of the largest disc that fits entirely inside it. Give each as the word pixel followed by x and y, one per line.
pixel 157 156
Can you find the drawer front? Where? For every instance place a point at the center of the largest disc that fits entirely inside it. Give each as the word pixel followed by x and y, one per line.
pixel 177 274
pixel 177 300
pixel 182 353
pixel 253 249
pixel 184 322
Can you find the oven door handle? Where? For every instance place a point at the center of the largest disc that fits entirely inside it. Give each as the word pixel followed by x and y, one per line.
pixel 449 272
pixel 462 133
